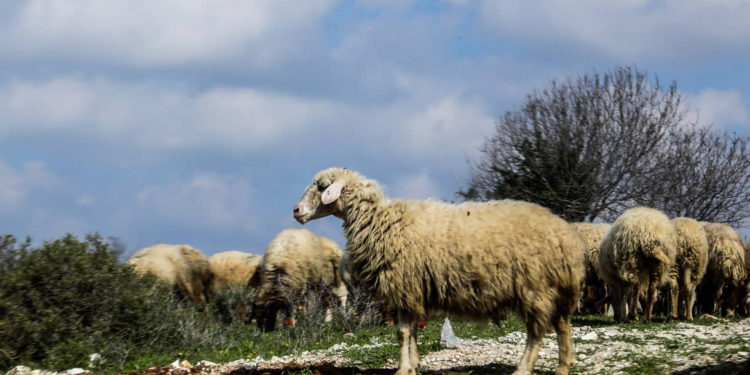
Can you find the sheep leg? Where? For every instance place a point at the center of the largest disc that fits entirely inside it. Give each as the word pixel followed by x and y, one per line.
pixel 564 344
pixel 404 331
pixel 652 284
pixel 413 350
pixel 619 301
pixel 673 297
pixel 534 336
pixel 634 294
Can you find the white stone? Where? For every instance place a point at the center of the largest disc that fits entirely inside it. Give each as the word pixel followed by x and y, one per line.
pixel 591 336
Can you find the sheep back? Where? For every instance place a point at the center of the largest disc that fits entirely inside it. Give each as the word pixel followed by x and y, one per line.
pixel 232 269
pixel 640 236
pixel 296 260
pixel 592 235
pixel 471 259
pixel 692 248
pixel 726 256
pixel 181 267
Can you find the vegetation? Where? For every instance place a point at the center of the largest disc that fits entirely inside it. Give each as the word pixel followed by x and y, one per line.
pixel 70 298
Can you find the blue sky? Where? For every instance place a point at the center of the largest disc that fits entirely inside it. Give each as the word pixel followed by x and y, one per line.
pixel 201 122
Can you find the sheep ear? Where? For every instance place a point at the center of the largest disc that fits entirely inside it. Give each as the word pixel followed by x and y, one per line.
pixel 332 192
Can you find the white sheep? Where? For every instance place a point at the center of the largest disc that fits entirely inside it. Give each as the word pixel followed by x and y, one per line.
pixel 689 266
pixel 296 265
pixel 594 288
pixel 477 260
pixel 725 272
pixel 181 267
pixel 639 249
pixel 232 269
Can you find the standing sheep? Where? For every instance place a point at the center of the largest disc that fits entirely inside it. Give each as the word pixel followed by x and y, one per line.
pixel 476 260
pixel 725 272
pixel 297 263
pixel 232 269
pixel 689 267
pixel 181 267
pixel 594 289
pixel 639 249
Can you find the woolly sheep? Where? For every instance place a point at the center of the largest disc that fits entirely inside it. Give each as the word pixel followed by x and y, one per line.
pixel 477 260
pixel 725 271
pixel 181 267
pixel 639 248
pixel 232 269
pixel 296 264
pixel 689 267
pixel 594 289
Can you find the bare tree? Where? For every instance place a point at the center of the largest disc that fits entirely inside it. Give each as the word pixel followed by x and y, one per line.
pixel 703 174
pixel 595 145
pixel 579 147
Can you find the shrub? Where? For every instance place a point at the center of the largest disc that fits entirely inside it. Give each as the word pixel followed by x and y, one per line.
pixel 70 298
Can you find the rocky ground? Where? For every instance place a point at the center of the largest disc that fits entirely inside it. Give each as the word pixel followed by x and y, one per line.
pixel 722 348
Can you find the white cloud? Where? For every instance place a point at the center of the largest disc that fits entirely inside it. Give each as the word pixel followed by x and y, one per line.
pixel 17 184
pixel 722 108
pixel 418 186
pixel 157 117
pixel 202 200
pixel 666 30
pixel 160 33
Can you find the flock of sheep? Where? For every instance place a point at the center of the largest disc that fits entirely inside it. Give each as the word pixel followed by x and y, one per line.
pixel 475 260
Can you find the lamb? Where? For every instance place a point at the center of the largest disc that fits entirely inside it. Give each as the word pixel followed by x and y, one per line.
pixel 639 248
pixel 689 267
pixel 232 269
pixel 476 260
pixel 296 264
pixel 181 267
pixel 594 289
pixel 725 271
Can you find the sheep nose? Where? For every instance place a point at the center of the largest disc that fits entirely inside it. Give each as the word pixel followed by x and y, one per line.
pixel 296 209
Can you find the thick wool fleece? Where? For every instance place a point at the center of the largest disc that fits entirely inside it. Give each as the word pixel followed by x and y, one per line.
pixel 232 269
pixel 297 262
pixel 182 267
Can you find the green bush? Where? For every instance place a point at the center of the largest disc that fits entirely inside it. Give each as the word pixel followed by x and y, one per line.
pixel 71 298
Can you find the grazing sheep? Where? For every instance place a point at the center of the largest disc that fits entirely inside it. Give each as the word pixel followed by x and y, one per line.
pixel 746 300
pixel 689 266
pixel 594 288
pixel 639 248
pixel 725 272
pixel 232 269
pixel 477 260
pixel 181 267
pixel 297 265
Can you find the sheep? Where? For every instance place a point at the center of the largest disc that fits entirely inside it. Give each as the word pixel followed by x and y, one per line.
pixel 639 248
pixel 232 269
pixel 689 267
pixel 594 289
pixel 725 271
pixel 181 267
pixel 296 264
pixel 476 260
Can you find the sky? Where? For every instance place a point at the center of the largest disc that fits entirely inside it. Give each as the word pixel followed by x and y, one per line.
pixel 201 122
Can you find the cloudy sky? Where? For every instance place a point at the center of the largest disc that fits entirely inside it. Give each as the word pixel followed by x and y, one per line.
pixel 201 122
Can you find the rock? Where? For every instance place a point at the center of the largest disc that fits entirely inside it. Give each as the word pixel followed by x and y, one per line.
pixel 74 371
pixel 591 336
pixel 19 370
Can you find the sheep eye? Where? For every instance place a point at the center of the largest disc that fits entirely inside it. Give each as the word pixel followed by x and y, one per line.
pixel 322 187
